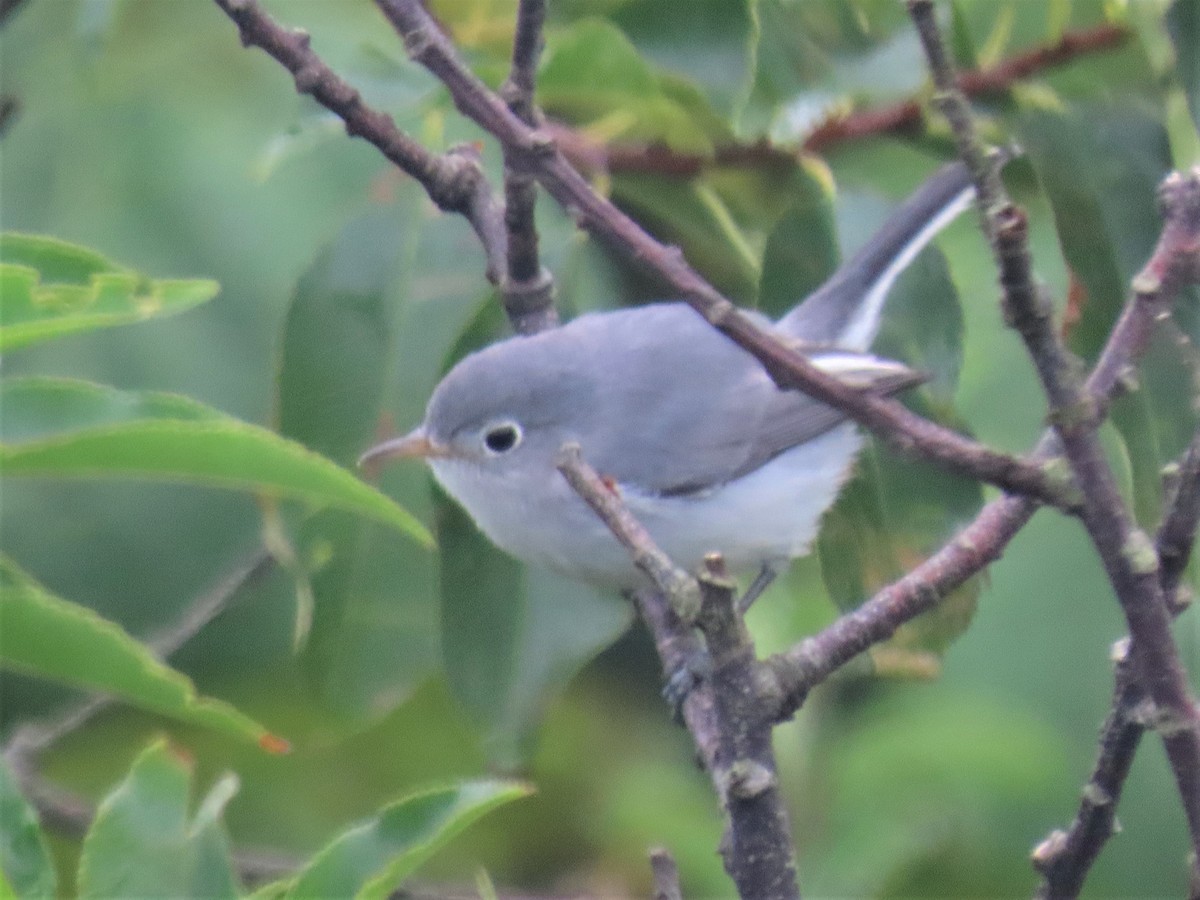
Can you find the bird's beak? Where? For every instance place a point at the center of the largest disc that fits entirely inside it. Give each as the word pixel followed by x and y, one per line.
pixel 414 444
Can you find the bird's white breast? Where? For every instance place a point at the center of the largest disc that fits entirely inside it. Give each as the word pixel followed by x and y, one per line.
pixel 768 515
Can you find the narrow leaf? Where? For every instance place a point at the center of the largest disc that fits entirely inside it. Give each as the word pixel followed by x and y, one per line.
pixel 61 428
pixel 1100 166
pixel 694 217
pixel 336 340
pixel 371 859
pixel 896 511
pixel 25 865
pixel 45 635
pixel 52 288
pixel 143 844
pixel 374 628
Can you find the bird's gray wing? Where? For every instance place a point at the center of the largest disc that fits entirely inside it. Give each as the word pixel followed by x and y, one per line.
pixel 698 410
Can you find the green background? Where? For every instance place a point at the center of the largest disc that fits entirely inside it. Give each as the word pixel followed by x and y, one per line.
pixel 147 132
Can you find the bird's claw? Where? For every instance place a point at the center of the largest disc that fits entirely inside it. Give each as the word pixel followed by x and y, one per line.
pixel 694 668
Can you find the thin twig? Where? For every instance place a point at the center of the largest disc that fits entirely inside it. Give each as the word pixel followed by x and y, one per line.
pixel 908 114
pixel 666 875
pixel 605 500
pixel 840 127
pixel 724 712
pixel 1127 554
pixel 531 150
pixel 454 180
pixel 528 289
pixel 1065 857
pixel 1176 538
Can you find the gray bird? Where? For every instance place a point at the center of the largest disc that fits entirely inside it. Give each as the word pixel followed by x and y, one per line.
pixel 703 448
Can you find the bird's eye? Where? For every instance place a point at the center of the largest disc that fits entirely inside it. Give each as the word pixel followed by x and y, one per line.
pixel 502 437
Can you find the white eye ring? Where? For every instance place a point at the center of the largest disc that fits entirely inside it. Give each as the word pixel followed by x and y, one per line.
pixel 501 437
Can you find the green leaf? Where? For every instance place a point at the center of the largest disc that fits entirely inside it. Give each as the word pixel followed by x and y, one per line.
pixel 368 330
pixel 513 636
pixel 143 844
pixel 60 427
pixel 25 865
pixel 960 38
pixel 709 46
pixel 1156 419
pixel 52 288
pixel 1100 166
pixel 593 76
pixel 696 218
pixel 918 777
pixel 810 57
pixel 923 324
pixel 487 27
pixel 896 510
pixel 374 635
pixel 50 637
pixel 802 250
pixel 336 340
pixel 373 858
pixel 1183 25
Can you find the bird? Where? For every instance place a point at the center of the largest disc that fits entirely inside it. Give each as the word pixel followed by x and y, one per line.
pixel 705 450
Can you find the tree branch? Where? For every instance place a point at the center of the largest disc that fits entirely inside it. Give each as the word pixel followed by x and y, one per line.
pixel 1127 554
pixel 799 669
pixel 529 288
pixel 604 498
pixel 724 712
pixel 907 114
pixel 1065 857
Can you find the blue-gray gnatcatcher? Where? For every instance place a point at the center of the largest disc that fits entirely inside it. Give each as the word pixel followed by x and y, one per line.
pixel 705 450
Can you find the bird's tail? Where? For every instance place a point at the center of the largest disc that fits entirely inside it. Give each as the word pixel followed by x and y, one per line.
pixel 845 310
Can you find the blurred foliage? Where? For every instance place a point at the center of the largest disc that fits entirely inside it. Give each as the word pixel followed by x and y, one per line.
pixel 345 295
pixel 50 637
pixel 52 288
pixel 143 843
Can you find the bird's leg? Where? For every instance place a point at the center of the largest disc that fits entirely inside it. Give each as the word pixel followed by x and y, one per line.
pixel 762 581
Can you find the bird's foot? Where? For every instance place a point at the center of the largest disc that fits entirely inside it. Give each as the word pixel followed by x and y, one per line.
pixel 685 678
